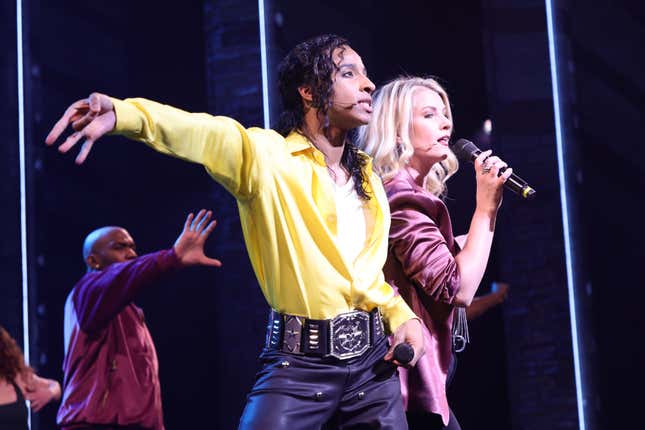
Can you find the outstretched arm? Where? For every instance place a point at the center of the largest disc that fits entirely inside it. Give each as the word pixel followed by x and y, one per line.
pixel 227 150
pixel 101 295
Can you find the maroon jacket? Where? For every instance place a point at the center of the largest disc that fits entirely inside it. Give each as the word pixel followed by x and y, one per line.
pixel 422 267
pixel 111 369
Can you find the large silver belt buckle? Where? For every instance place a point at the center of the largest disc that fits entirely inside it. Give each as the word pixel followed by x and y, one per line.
pixel 349 334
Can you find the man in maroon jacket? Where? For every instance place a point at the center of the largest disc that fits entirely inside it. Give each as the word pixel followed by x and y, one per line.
pixel 111 369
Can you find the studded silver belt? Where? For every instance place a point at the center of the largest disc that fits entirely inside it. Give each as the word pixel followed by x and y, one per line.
pixel 345 336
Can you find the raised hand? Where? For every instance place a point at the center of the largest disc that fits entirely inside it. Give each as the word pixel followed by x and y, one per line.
pixel 489 181
pixel 189 246
pixel 91 119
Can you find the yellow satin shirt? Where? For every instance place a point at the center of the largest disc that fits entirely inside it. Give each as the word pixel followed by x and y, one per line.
pixel 286 202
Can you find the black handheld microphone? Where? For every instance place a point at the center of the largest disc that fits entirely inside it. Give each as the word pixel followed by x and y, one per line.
pixel 465 150
pixel 403 353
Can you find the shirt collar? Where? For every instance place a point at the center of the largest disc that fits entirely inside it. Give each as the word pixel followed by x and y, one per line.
pixel 297 142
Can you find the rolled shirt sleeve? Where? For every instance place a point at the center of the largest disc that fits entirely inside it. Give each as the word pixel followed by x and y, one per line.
pixel 422 250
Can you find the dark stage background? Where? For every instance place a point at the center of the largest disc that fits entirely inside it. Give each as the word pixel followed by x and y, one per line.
pixel 208 324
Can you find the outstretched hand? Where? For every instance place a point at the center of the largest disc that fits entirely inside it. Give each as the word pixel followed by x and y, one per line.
pixel 189 246
pixel 91 119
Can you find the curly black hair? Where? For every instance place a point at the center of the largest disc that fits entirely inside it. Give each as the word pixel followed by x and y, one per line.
pixel 311 64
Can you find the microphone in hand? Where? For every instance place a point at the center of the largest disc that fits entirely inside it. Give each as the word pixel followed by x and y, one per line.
pixel 403 353
pixel 465 150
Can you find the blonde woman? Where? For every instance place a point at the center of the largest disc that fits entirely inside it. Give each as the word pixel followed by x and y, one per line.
pixel 408 140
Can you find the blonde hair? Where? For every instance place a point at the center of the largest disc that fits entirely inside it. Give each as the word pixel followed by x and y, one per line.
pixel 392 118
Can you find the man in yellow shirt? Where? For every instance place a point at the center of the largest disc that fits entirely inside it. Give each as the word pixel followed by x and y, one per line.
pixel 319 268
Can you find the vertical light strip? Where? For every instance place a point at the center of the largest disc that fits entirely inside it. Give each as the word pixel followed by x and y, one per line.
pixel 565 212
pixel 263 60
pixel 23 191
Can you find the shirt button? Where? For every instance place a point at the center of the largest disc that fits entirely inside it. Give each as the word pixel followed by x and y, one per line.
pixel 331 219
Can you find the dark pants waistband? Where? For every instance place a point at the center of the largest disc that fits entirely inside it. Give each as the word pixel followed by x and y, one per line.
pixel 346 336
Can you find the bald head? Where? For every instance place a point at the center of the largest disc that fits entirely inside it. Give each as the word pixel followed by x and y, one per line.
pixel 108 245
